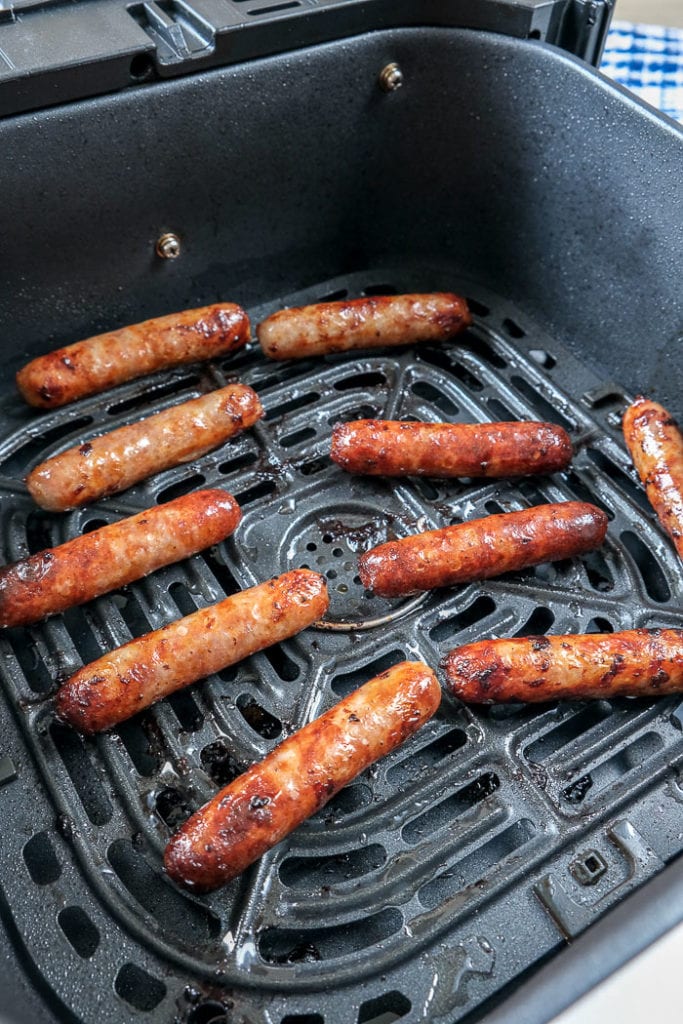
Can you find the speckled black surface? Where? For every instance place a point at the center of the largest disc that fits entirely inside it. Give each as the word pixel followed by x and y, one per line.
pixel 535 187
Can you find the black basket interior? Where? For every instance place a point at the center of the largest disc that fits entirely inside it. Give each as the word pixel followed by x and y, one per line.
pixel 456 866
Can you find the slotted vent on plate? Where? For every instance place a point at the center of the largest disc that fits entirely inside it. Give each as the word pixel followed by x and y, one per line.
pixel 473 807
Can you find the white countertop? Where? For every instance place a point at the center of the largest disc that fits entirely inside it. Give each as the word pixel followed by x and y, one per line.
pixel 647 990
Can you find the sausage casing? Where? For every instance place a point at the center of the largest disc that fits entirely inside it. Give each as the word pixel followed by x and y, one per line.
pixel 362 323
pixel 405 448
pixel 102 362
pixel 656 446
pixel 273 797
pixel 117 460
pixel 97 562
pixel 636 663
pixel 144 670
pixel 482 548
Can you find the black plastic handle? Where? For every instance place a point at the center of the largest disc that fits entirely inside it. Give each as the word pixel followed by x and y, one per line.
pixel 155 39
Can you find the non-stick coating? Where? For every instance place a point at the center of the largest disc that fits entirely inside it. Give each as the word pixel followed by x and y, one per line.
pixel 456 865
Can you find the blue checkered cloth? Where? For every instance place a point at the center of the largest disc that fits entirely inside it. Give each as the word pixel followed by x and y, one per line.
pixel 647 59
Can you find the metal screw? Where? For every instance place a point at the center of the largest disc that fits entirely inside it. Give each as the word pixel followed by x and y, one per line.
pixel 168 246
pixel 390 78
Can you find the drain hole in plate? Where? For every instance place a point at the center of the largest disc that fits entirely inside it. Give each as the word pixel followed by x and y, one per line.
pixel 331 545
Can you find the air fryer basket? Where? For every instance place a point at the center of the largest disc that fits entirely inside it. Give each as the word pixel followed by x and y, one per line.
pixel 451 870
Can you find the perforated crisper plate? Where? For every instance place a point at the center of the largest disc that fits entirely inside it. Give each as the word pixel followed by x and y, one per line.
pixel 444 872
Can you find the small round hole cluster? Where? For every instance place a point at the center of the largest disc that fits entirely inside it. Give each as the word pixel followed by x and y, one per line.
pixel 321 554
pixel 334 553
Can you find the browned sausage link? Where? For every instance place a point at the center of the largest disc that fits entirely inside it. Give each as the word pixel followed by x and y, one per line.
pixel 636 663
pixel 143 671
pixel 272 798
pixel 656 446
pixel 362 323
pixel 482 548
pixel 102 362
pixel 115 461
pixel 85 567
pixel 390 448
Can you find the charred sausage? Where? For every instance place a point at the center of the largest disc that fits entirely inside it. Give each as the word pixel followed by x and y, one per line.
pixel 390 448
pixel 102 362
pixel 482 548
pixel 636 663
pixel 362 323
pixel 88 566
pixel 115 461
pixel 144 670
pixel 273 797
pixel 656 446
